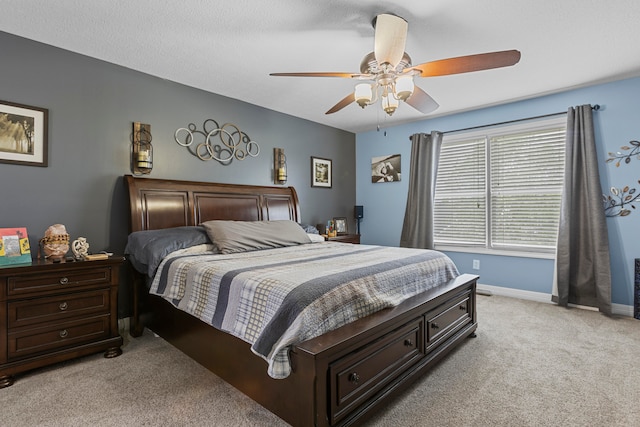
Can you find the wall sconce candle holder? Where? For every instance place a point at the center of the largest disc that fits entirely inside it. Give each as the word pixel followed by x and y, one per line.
pixel 279 166
pixel 141 150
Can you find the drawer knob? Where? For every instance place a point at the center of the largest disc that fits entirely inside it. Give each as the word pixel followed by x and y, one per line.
pixel 462 307
pixel 64 281
pixel 408 342
pixel 63 306
pixel 434 325
pixel 64 333
pixel 354 378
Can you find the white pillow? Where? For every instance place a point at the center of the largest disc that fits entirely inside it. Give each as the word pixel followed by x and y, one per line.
pixel 315 238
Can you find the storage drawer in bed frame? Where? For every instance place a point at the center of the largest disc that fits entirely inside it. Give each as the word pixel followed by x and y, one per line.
pixel 379 366
pixel 447 319
pixel 358 376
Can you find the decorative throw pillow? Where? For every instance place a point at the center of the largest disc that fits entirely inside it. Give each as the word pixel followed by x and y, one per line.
pixel 243 236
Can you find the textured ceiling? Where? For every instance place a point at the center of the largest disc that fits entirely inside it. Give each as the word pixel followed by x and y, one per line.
pixel 229 47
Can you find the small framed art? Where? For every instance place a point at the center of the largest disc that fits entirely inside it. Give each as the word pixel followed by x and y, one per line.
pixel 14 246
pixel 341 225
pixel 23 134
pixel 320 172
pixel 386 168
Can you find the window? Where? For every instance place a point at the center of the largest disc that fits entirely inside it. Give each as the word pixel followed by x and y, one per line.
pixel 499 188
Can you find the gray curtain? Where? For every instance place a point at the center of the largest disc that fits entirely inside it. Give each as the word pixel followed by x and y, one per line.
pixel 417 228
pixel 583 271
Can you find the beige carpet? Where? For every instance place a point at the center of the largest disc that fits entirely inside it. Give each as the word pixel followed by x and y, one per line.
pixel 532 364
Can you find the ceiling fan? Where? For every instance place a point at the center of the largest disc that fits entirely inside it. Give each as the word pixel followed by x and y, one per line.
pixel 389 70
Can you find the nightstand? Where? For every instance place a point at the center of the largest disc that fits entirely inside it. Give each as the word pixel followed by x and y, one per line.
pixel 51 312
pixel 345 238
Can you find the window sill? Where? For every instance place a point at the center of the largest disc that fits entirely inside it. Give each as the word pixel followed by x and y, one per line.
pixel 485 251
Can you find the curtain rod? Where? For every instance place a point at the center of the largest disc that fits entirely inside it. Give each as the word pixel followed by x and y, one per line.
pixel 596 107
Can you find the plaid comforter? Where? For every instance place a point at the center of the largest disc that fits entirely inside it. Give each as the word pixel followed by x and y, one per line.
pixel 279 297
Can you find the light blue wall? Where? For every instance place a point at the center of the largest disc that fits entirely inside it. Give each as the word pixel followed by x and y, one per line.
pixel 617 122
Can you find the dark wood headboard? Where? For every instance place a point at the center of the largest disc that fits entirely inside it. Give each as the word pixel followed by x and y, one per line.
pixel 162 203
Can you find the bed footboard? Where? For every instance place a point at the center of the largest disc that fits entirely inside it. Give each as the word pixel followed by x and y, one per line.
pixel 343 376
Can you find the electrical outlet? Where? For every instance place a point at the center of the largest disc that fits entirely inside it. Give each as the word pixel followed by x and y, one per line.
pixel 476 264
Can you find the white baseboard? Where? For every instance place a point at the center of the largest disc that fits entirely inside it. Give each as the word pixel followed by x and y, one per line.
pixel 618 309
pixel 622 310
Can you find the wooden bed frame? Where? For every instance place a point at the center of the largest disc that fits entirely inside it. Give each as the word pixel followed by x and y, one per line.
pixel 339 378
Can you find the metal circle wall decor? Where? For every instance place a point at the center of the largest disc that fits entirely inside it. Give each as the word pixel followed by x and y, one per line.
pixel 220 143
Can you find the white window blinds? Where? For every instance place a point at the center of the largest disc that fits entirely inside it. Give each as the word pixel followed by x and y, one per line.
pixel 500 188
pixel 459 215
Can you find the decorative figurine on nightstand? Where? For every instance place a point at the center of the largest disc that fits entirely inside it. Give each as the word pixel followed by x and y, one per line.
pixel 80 248
pixel 331 229
pixel 55 243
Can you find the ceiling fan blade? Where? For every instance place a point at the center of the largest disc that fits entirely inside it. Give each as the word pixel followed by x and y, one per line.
pixel 421 101
pixel 343 103
pixel 320 74
pixel 390 39
pixel 466 64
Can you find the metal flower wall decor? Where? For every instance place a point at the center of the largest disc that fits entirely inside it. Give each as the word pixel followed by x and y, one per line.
pixel 618 156
pixel 621 199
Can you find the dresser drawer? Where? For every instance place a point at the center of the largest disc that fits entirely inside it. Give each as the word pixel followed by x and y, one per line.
pixel 358 376
pixel 57 281
pixel 50 309
pixel 25 342
pixel 444 321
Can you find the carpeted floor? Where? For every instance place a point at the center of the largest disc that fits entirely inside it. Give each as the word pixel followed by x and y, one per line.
pixel 532 364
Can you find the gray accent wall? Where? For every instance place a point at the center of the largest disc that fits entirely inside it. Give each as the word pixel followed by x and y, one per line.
pixel 92 105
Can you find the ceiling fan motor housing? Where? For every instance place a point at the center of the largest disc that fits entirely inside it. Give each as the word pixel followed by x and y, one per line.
pixel 369 65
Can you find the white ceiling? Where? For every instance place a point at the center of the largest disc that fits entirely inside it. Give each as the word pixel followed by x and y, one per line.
pixel 229 47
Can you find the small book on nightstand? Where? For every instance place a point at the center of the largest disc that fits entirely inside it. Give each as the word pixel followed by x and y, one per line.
pixel 94 257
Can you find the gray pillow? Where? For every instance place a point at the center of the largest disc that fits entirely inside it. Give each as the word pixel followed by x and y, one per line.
pixel 309 229
pixel 243 236
pixel 147 248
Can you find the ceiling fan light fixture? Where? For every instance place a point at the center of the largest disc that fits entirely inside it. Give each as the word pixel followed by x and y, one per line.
pixel 389 104
pixel 363 94
pixel 404 87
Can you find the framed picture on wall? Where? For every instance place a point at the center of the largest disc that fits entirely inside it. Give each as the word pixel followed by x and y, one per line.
pixel 320 172
pixel 386 168
pixel 23 134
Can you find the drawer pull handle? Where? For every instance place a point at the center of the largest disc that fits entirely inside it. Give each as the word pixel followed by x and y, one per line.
pixel 434 325
pixel 408 342
pixel 462 307
pixel 64 333
pixel 354 378
pixel 63 306
pixel 64 281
